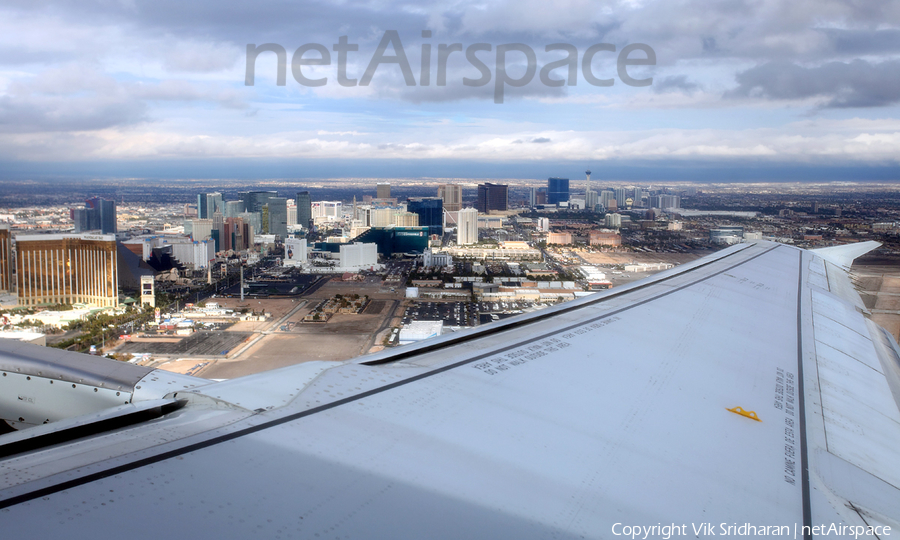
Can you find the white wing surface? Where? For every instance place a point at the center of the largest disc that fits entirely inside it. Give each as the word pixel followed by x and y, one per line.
pixel 746 389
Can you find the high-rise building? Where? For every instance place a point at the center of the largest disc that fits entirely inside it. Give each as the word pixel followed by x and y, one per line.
pixel 467 227
pixel 97 215
pixel 255 200
pixel 67 269
pixel 234 235
pixel 358 255
pixel 430 211
pixel 254 220
pixel 591 199
pixel 382 190
pixel 405 219
pixel 639 197
pixel 621 195
pixel 669 201
pixel 380 217
pixel 5 259
pixel 202 206
pixel 201 229
pixel 233 209
pixel 278 216
pixel 605 196
pixel 295 252
pixel 452 196
pixel 330 210
pixel 271 208
pixel 81 218
pixel 208 204
pixel 538 196
pixel 291 214
pixel 492 197
pixel 104 217
pixel 304 208
pixel 218 230
pixel 557 190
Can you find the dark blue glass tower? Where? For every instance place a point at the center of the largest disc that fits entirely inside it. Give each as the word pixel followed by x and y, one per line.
pixel 557 190
pixel 430 211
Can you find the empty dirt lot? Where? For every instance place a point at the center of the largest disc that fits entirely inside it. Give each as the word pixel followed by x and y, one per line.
pixel 879 287
pixel 344 336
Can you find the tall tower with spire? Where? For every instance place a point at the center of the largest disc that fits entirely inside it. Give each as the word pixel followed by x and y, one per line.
pixel 591 199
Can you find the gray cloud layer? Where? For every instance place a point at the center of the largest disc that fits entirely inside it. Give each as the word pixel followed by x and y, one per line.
pixel 170 74
pixel 854 84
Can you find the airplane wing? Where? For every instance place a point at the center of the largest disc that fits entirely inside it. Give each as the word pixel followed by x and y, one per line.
pixel 746 393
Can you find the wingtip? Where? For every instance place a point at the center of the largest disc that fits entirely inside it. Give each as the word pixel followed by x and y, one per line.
pixel 845 255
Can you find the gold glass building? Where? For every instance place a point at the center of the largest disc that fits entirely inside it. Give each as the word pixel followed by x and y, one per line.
pixel 5 259
pixel 452 196
pixel 67 269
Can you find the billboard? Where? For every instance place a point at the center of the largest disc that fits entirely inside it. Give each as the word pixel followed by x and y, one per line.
pixel 294 251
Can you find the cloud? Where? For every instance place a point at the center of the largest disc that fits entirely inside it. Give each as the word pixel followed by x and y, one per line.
pixel 175 90
pixel 814 141
pixel 840 85
pixel 193 56
pixel 674 83
pixel 27 114
pixel 119 79
pixel 856 42
pixel 70 98
pixel 78 98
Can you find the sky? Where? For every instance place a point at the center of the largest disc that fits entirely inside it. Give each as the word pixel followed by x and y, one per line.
pixel 712 90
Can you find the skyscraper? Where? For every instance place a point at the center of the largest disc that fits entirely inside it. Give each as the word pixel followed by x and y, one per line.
pixel 208 204
pixel 202 206
pixel 557 190
pixel 278 216
pixel 605 196
pixel 492 197
pixel 382 190
pixel 304 208
pixel 430 211
pixel 255 200
pixel 97 214
pixel 452 196
pixel 291 214
pixel 5 259
pixel 81 217
pixel 591 199
pixel 67 269
pixel 538 195
pixel 669 201
pixel 201 229
pixel 467 227
pixel 218 231
pixel 271 207
pixel 235 234
pixel 621 195
pixel 233 208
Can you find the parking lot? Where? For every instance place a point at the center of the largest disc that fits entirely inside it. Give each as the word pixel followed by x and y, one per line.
pixel 464 313
pixel 452 313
